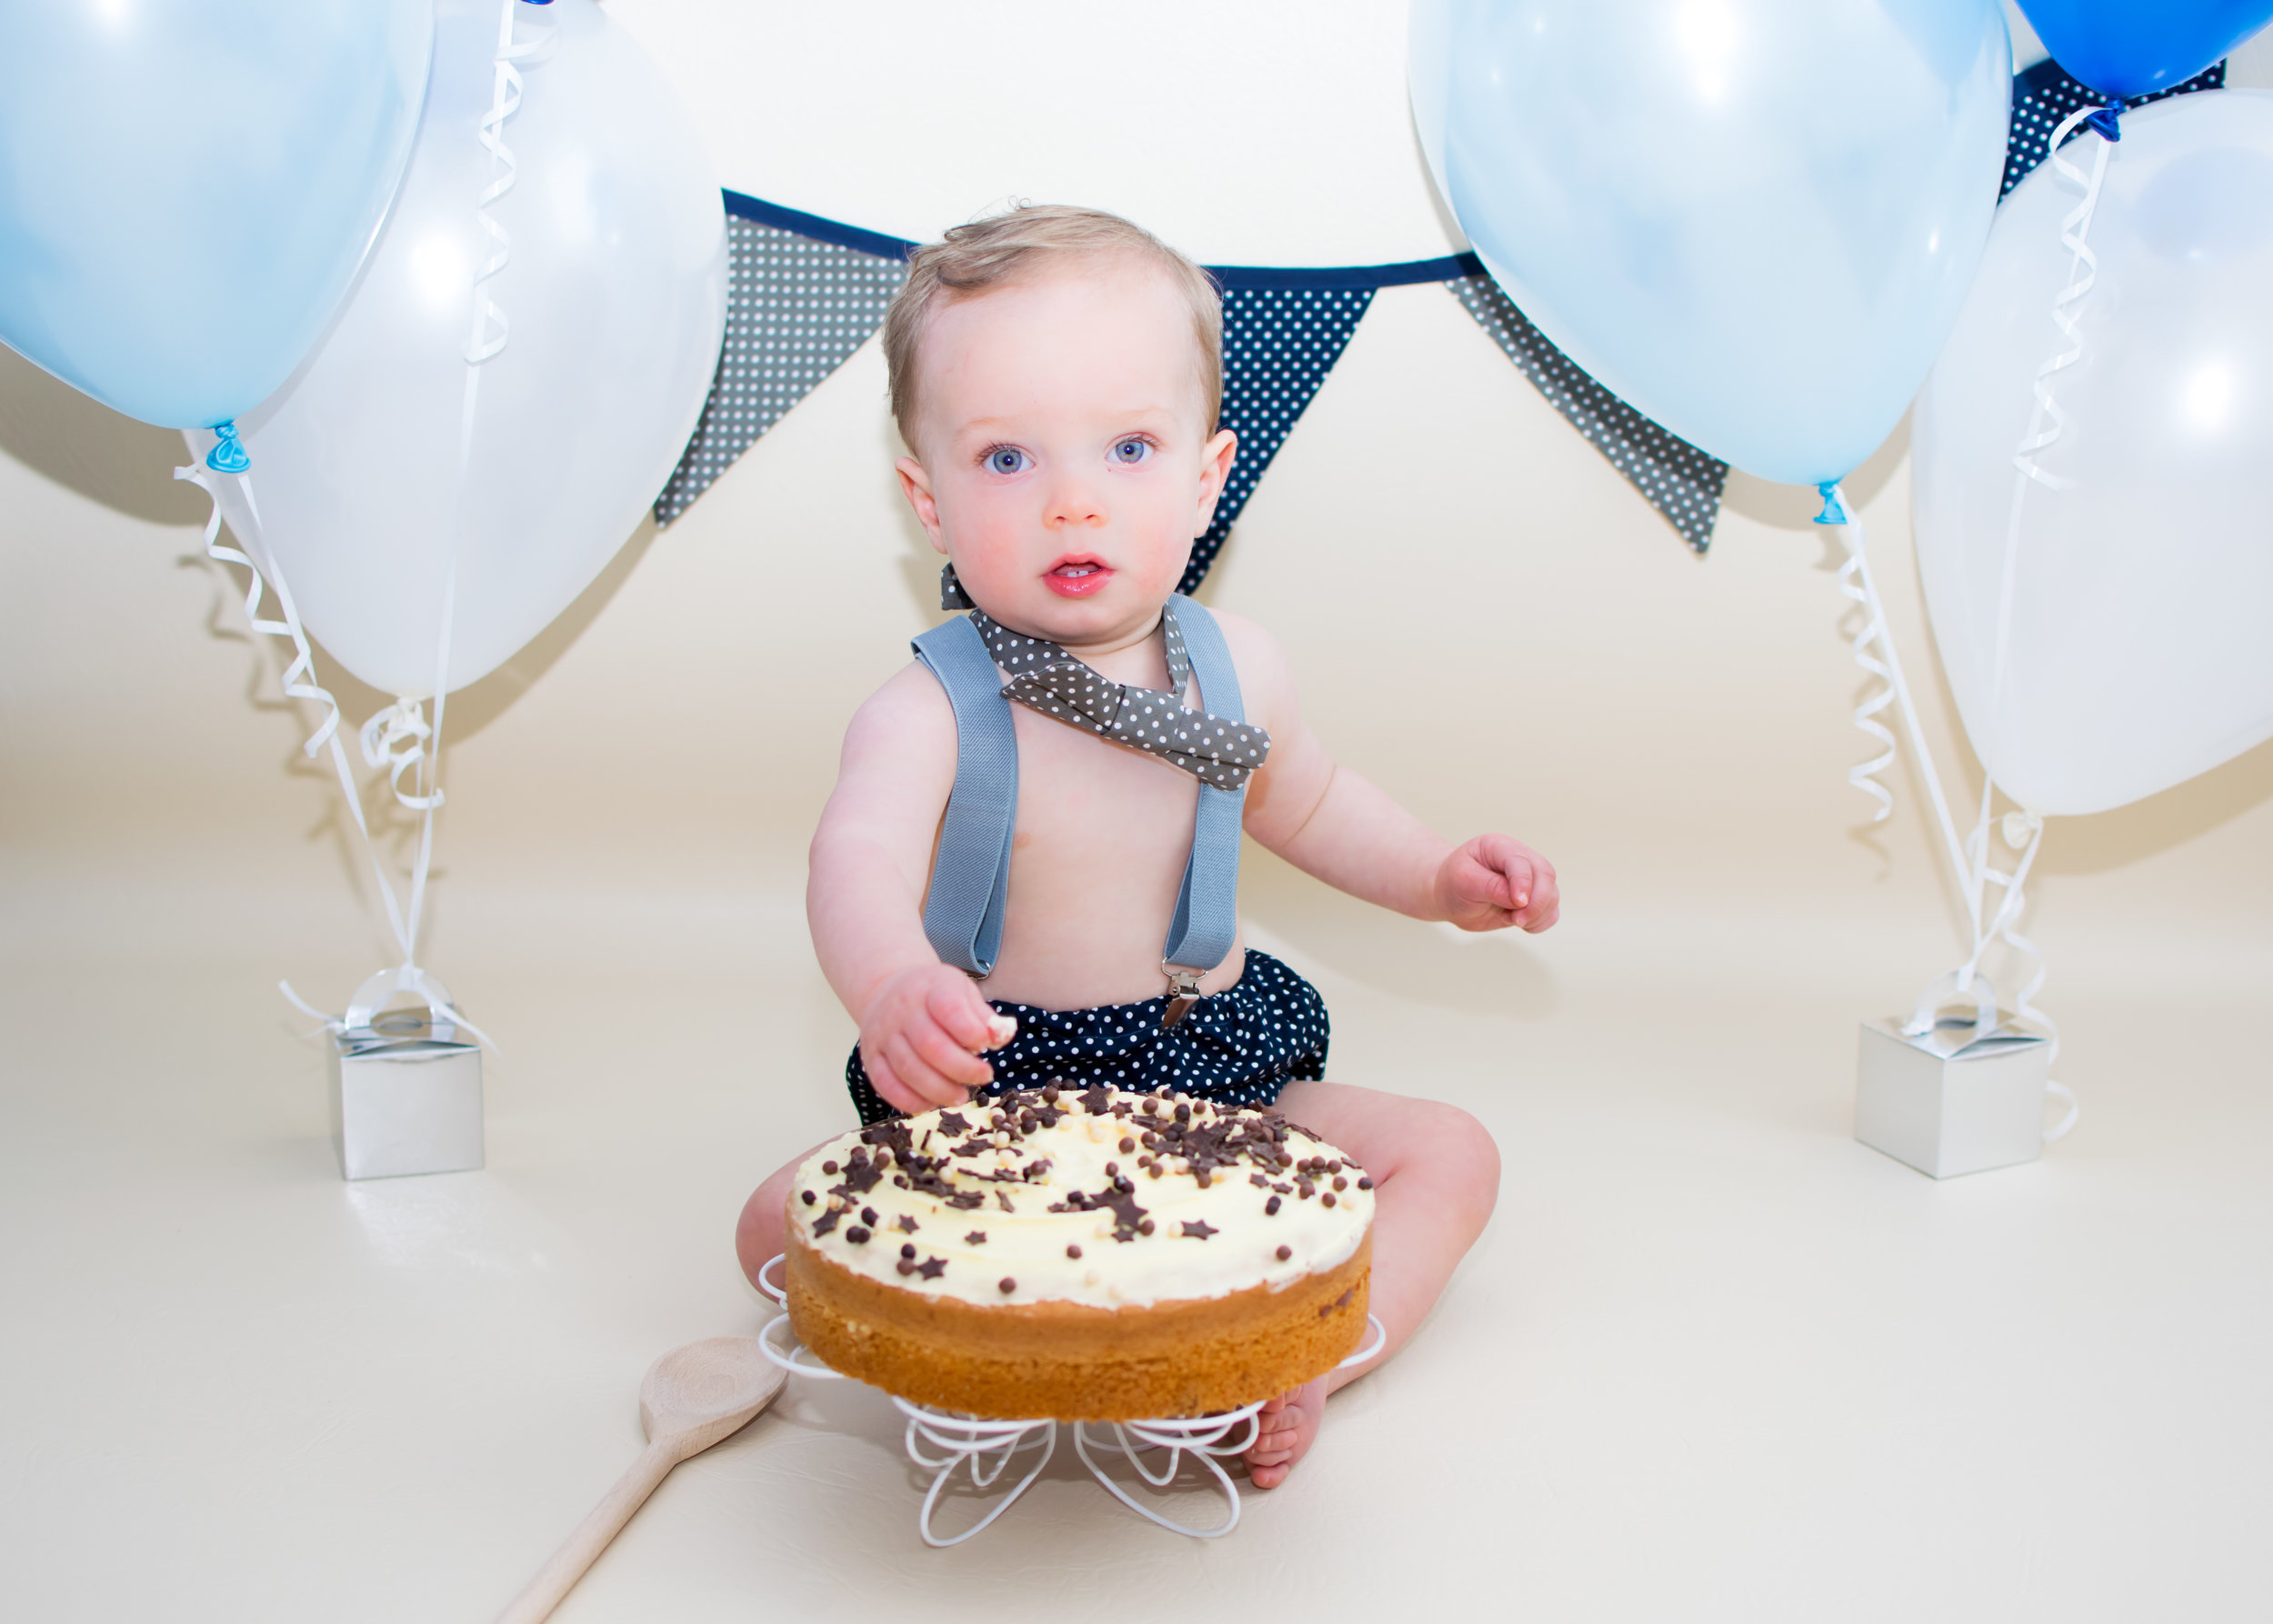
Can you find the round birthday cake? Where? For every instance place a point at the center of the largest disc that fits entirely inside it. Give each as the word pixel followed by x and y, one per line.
pixel 1089 1255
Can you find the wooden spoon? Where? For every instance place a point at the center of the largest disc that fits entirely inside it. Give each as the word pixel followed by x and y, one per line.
pixel 690 1400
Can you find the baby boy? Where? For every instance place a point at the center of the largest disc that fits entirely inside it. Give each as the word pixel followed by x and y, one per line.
pixel 1055 374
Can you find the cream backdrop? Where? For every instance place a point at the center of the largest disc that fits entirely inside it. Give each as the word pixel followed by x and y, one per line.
pixel 2024 1391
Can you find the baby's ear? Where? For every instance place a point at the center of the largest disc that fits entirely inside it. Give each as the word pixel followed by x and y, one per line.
pixel 916 486
pixel 1215 458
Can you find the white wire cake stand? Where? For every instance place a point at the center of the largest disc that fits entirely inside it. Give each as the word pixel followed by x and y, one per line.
pixel 941 1440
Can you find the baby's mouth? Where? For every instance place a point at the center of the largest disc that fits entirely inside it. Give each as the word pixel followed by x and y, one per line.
pixel 1077 577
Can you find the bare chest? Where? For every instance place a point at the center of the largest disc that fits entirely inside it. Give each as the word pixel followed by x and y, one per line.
pixel 1102 836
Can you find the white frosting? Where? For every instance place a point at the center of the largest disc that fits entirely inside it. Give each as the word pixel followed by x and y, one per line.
pixel 1167 1238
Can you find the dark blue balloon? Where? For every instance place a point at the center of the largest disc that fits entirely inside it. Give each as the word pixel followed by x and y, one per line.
pixel 2132 47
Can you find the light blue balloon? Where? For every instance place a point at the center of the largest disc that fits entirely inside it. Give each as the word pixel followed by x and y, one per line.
pixel 187 187
pixel 1753 220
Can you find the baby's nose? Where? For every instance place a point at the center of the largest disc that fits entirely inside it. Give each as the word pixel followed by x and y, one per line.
pixel 1075 502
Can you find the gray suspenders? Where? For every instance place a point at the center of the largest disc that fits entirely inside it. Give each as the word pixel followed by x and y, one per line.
pixel 970 878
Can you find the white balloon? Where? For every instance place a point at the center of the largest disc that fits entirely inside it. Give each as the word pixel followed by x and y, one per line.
pixel 614 299
pixel 2135 653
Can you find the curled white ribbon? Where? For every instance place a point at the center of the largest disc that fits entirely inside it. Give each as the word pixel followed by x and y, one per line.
pixel 1884 665
pixel 399 739
pixel 395 738
pixel 300 683
pixel 490 328
pixel 1968 860
pixel 2046 421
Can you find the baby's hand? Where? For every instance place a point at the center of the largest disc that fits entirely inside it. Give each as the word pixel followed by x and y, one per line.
pixel 1494 881
pixel 922 1034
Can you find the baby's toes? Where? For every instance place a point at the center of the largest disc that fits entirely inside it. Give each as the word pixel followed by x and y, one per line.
pixel 1272 1449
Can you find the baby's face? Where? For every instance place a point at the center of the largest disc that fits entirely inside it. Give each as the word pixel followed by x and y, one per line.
pixel 1061 458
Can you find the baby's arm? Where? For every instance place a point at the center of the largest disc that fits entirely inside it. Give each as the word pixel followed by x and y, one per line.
pixel 921 1021
pixel 1332 823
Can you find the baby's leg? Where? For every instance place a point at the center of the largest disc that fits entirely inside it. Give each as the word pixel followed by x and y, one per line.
pixel 1435 1177
pixel 757 1234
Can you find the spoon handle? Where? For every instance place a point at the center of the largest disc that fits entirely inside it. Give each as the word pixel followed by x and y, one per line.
pixel 560 1573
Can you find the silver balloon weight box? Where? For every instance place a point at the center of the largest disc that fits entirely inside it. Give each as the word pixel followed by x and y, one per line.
pixel 1954 1093
pixel 406 1096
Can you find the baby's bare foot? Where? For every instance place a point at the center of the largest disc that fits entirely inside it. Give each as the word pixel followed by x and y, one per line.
pixel 1285 1429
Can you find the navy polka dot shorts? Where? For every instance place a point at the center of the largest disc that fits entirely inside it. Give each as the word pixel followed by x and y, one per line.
pixel 1238 1047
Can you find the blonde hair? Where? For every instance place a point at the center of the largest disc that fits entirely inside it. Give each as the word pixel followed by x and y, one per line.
pixel 1003 250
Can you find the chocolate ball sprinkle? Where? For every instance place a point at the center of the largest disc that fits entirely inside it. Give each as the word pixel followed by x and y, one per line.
pixel 1007 1285
pixel 828 1167
pixel 1285 1253
pixel 1326 1199
pixel 1270 1207
pixel 810 1197
pixel 907 1251
pixel 1127 1145
pixel 1073 1251
pixel 857 1235
pixel 1341 1184
pixel 1365 1184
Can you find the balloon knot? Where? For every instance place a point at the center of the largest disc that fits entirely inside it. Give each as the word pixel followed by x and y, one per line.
pixel 228 456
pixel 1834 505
pixel 2108 120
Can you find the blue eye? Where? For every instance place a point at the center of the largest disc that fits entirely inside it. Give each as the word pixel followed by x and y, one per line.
pixel 1008 459
pixel 1131 450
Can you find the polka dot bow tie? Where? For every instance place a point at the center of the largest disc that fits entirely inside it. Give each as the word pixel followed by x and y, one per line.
pixel 1214 749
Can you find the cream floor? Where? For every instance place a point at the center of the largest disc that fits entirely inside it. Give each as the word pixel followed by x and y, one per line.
pixel 1712 1360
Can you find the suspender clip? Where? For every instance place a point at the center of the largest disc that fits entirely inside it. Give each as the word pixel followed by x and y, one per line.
pixel 1183 993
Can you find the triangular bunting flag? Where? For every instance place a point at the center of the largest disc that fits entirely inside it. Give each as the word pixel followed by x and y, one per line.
pixel 1674 476
pixel 2044 94
pixel 1278 344
pixel 796 308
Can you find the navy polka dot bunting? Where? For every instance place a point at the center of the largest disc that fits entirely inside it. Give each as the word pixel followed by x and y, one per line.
pixel 1278 344
pixel 1678 480
pixel 2044 94
pixel 796 308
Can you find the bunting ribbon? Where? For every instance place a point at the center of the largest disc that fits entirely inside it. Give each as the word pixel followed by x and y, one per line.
pixel 806 292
